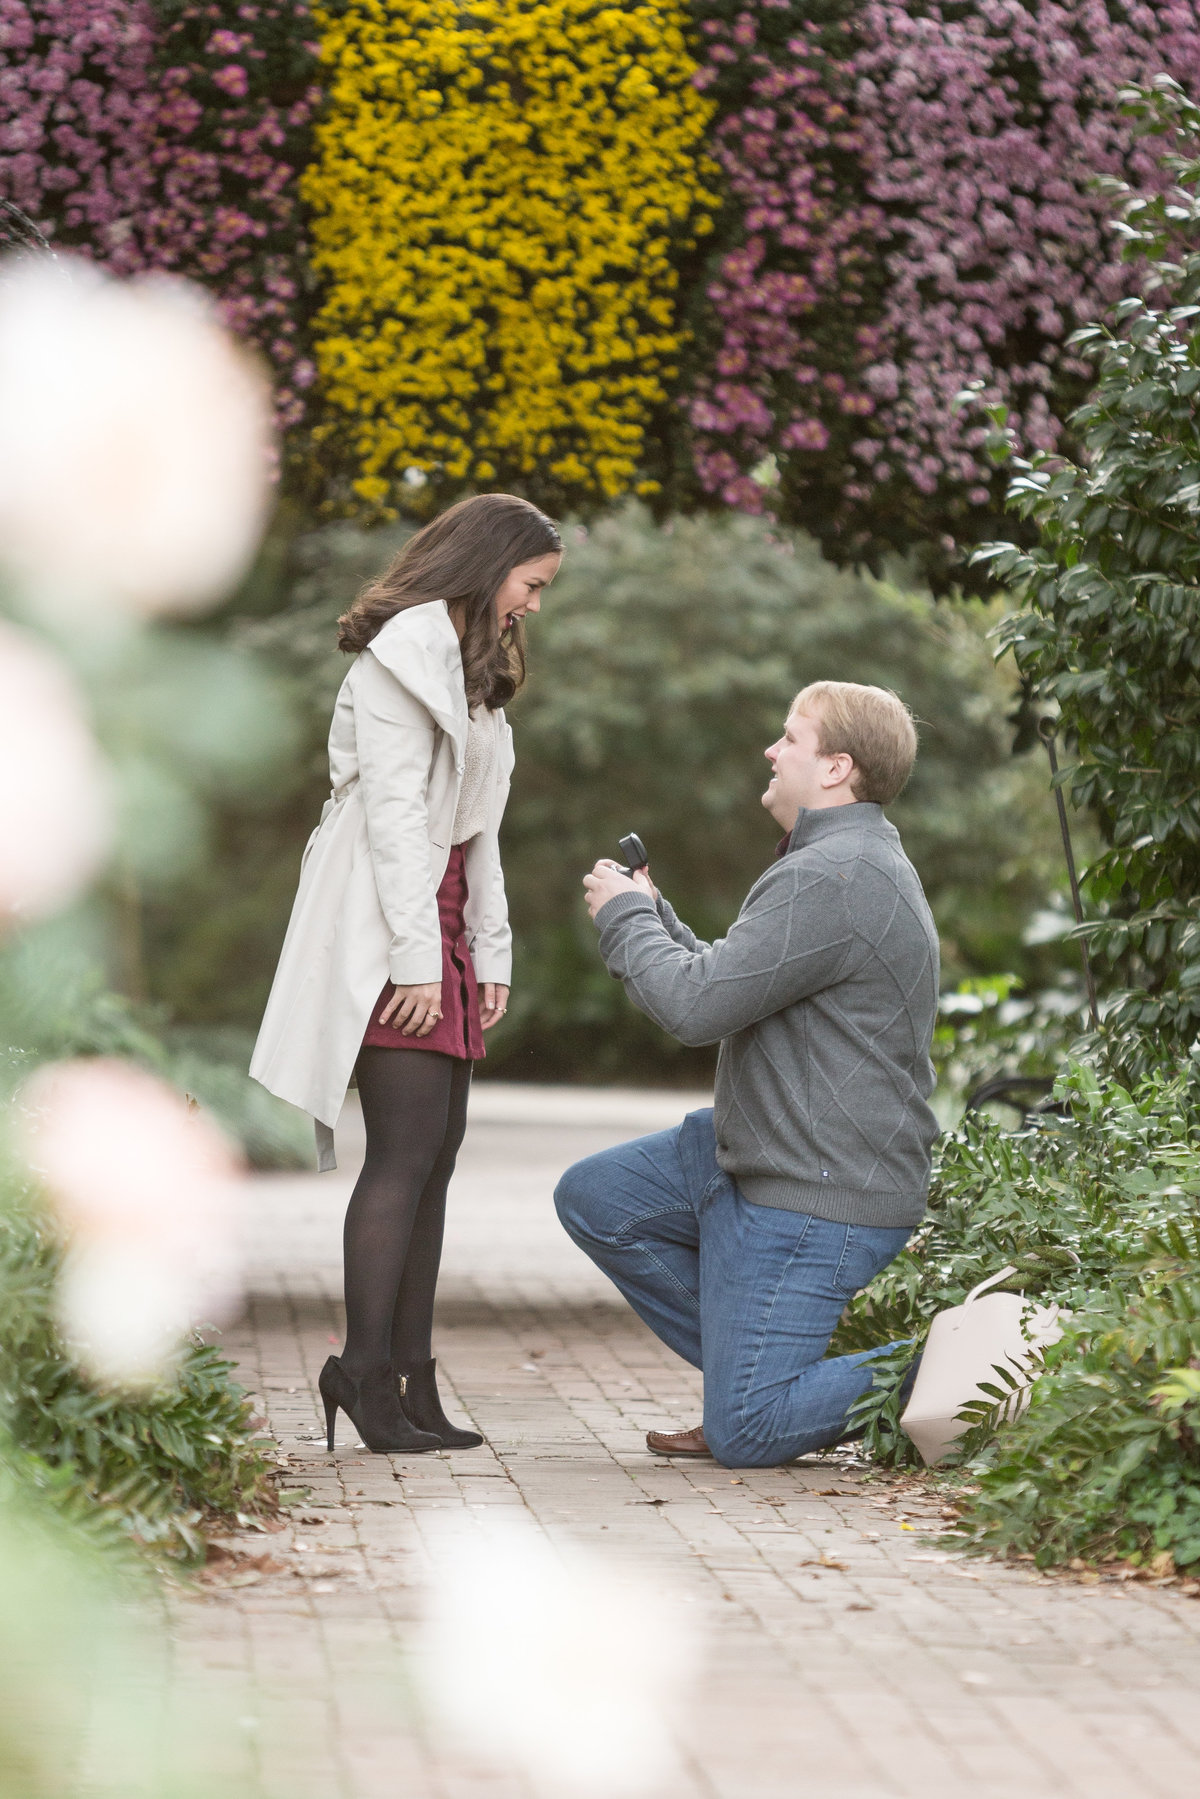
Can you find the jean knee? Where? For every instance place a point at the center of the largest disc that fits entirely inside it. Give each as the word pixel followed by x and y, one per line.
pixel 737 1447
pixel 575 1200
pixel 753 1437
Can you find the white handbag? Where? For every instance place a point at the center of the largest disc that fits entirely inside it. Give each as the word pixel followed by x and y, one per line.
pixel 965 1347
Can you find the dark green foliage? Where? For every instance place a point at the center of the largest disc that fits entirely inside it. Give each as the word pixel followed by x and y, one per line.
pixel 145 1467
pixel 1098 1212
pixel 211 944
pixel 1110 631
pixel 989 1027
pixel 661 666
pixel 55 1005
pixel 1106 1462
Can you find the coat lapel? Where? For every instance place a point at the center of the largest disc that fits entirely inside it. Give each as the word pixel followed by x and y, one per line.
pixel 420 648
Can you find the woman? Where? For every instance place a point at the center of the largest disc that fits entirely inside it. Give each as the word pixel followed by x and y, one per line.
pixel 398 954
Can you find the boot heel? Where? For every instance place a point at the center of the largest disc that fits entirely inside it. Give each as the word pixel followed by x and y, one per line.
pixel 373 1408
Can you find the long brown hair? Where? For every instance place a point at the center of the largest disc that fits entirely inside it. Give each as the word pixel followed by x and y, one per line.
pixel 464 556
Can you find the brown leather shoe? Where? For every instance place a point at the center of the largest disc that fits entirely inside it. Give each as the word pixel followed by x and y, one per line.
pixel 678 1442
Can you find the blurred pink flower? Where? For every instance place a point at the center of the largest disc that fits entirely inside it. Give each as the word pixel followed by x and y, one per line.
pixel 233 80
pixel 54 802
pixel 145 1188
pixel 135 442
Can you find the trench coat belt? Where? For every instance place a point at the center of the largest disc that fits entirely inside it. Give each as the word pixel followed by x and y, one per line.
pixel 335 800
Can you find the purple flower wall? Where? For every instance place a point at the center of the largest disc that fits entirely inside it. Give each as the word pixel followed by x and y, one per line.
pixel 912 209
pixel 237 97
pixel 77 109
pixel 171 137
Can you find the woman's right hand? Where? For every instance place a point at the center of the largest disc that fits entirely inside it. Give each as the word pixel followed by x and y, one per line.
pixel 414 1011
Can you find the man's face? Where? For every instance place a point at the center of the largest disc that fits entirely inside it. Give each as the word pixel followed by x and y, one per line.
pixel 800 775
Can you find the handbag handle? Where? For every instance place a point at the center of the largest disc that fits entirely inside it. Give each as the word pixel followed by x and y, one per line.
pixel 991 1281
pixel 994 1279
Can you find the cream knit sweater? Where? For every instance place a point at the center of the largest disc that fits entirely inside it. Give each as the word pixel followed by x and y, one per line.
pixel 471 815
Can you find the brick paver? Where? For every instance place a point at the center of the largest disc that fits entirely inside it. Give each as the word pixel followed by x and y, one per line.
pixel 842 1655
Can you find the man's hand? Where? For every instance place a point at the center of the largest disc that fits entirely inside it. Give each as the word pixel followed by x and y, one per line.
pixel 493 1003
pixel 606 881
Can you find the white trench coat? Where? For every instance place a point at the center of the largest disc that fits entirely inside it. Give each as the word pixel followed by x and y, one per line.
pixel 366 909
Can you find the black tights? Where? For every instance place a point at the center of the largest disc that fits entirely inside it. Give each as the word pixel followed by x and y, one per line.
pixel 415 1108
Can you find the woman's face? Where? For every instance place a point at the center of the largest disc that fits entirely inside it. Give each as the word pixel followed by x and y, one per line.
pixel 521 592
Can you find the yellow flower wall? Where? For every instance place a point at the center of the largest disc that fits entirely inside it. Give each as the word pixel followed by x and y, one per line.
pixel 499 198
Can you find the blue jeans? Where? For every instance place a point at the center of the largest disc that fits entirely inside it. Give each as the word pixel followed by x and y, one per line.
pixel 750 1294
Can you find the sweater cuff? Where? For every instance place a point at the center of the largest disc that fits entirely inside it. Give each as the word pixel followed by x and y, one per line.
pixel 619 905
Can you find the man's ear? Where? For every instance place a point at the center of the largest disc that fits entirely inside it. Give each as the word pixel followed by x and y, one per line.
pixel 840 769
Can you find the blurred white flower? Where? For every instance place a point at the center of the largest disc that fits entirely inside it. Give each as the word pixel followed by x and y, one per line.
pixel 146 1189
pixel 135 441
pixel 54 801
pixel 538 1658
pixel 123 1310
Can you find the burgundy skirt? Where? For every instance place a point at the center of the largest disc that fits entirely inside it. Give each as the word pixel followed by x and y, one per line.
pixel 458 1032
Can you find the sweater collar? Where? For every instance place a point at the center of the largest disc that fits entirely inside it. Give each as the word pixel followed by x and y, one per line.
pixel 815 822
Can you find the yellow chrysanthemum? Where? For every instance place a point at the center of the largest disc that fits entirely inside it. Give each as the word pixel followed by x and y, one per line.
pixel 499 199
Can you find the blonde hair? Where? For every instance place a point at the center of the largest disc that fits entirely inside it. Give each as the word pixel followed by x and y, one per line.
pixel 871 725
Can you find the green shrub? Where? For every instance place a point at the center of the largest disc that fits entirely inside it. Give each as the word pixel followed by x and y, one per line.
pixel 1106 1461
pixel 1109 627
pixel 661 666
pixel 1097 1211
pixel 55 1006
pixel 147 1467
pixel 988 1026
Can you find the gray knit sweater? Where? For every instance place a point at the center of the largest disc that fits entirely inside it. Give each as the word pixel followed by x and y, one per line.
pixel 823 997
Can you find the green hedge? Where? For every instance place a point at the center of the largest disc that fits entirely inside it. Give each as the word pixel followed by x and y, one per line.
pixel 1098 1211
pixel 661 666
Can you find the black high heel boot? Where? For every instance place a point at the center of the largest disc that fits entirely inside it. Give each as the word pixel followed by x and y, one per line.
pixel 419 1397
pixel 373 1407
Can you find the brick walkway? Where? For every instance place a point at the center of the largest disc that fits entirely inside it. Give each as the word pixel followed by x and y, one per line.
pixel 839 1655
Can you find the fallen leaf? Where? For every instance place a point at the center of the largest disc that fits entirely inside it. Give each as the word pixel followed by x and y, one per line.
pixel 246 1569
pixel 824 1561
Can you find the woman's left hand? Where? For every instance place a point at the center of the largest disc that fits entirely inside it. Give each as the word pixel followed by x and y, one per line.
pixel 493 1003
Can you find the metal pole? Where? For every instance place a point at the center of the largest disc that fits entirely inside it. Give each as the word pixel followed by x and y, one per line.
pixel 1046 729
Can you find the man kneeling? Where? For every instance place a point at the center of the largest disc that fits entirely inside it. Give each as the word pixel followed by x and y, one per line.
pixel 740 1235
